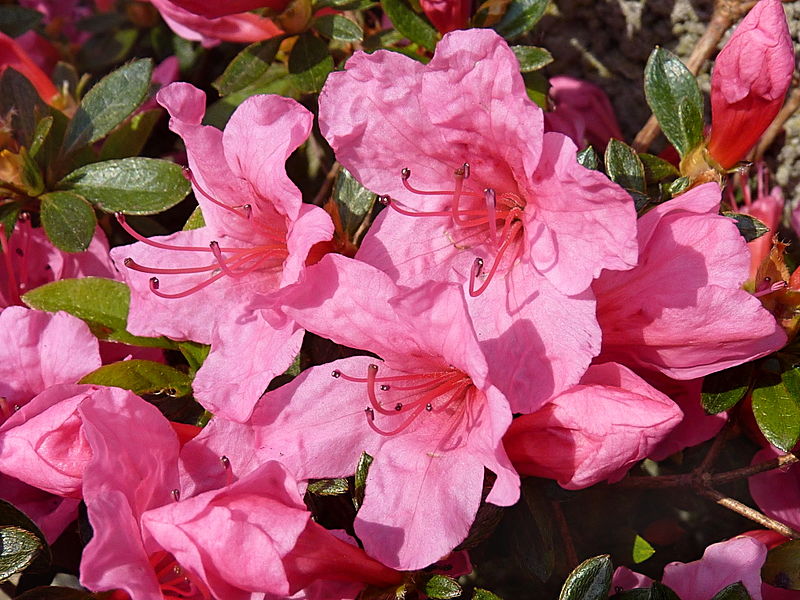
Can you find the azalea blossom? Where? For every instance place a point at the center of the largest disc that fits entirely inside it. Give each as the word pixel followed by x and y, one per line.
pixel 199 284
pixel 12 55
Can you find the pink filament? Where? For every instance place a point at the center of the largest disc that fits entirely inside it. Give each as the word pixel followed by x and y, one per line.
pixel 187 172
pixel 477 268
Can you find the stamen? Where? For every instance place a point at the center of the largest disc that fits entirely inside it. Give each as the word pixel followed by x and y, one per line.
pixel 187 173
pixel 477 267
pixel 491 207
pixel 176 494
pixel 403 425
pixel 134 266
pixel 214 245
pixel 226 464
pixel 460 174
pixel 384 388
pixel 775 287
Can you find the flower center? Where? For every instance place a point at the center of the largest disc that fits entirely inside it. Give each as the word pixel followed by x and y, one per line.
pixel 174 581
pixel 498 216
pixel 403 398
pixel 228 262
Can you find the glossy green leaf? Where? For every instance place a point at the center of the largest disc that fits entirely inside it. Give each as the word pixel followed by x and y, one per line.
pixel 310 62
pixel 142 377
pixel 724 389
pixel 532 58
pixel 134 186
pixel 195 354
pixel 130 138
pixel 31 174
pixel 11 516
pixel 776 407
pixel 520 17
pixel 40 134
pixel 735 591
pixel 195 220
pixel 355 202
pixel 657 169
pixel 480 594
pixel 442 587
pixel 337 27
pixel 362 470
pixel 673 96
pixel 68 220
pixel 537 86
pixel 410 24
pixel 749 227
pixel 18 549
pixel 250 65
pixel 108 103
pixel 20 99
pixel 329 487
pixel 590 580
pixel 642 550
pixel 679 186
pixel 624 167
pixel 659 591
pixel 588 158
pixel 106 49
pixel 16 20
pixel 782 567
pixel 9 213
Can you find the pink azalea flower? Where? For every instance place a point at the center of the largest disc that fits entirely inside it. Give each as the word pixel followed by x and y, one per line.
pixel 682 310
pixel 427 412
pixel 593 432
pixel 777 492
pixel 12 55
pixel 723 564
pixel 29 259
pixel 200 284
pixel 218 8
pixel 482 197
pixel 751 76
pixel 241 27
pixel 583 112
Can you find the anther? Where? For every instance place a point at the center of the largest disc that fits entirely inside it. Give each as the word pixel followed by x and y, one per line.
pixel 370 413
pixel 373 367
pixel 385 200
pixel 465 168
pixel 226 462
pixel 176 494
pixel 384 387
pixel 336 374
pixel 477 267
pixel 429 407
pixel 248 210
pixel 187 173
pixel 405 173
pixel 154 283
pixel 128 262
pixel 20 252
pixel 398 406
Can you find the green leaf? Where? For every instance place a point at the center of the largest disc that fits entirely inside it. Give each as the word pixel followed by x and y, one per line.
pixel 588 158
pixel 109 48
pixel 724 389
pixel 657 169
pixel 642 550
pixel 69 220
pixel 195 354
pixel 673 96
pixel 410 24
pixel 195 220
pixel 355 202
pixel 18 549
pixel 142 377
pixel 134 186
pixel 248 66
pixel 520 17
pixel 749 227
pixel 532 58
pixel 679 186
pixel 590 580
pixel 337 27
pixel 362 470
pixel 533 537
pixel 129 139
pixel 9 213
pixel 776 408
pixel 329 487
pixel 442 587
pixel 659 591
pixel 782 567
pixel 31 175
pixel 40 134
pixel 624 167
pixel 16 20
pixel 480 594
pixel 20 99
pixel 11 516
pixel 735 591
pixel 108 103
pixel 310 62
pixel 52 592
pixel 537 86
pixel 102 303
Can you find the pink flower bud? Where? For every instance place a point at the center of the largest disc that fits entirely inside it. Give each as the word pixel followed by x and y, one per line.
pixel 750 79
pixel 447 15
pixel 12 55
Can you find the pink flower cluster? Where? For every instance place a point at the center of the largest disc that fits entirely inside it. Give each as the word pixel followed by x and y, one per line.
pixel 502 278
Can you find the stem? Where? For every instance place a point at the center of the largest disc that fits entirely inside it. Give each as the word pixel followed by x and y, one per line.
pixel 716 447
pixel 789 108
pixel 325 190
pixel 776 463
pixel 749 513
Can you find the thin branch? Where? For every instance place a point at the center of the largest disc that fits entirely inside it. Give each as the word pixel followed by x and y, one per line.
pixel 716 447
pixel 789 108
pixel 327 185
pixel 776 463
pixel 750 513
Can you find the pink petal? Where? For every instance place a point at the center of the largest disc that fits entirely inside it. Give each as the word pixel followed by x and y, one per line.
pixel 777 492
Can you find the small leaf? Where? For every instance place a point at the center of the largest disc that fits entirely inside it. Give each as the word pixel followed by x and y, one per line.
pixel 776 408
pixel 537 86
pixel 724 389
pixel 657 169
pixel 588 158
pixel 362 470
pixel 11 516
pixel 69 220
pixel 329 487
pixel 310 62
pixel 337 27
pixel 623 166
pixel 642 550
pixel 782 567
pixel 142 377
pixel 31 175
pixel 735 591
pixel 590 580
pixel 20 99
pixel 130 138
pixel 248 66
pixel 749 227
pixel 195 220
pixel 354 201
pixel 442 587
pixel 134 186
pixel 520 17
pixel 9 213
pixel 195 354
pixel 16 20
pixel 40 134
pixel 410 24
pixel 18 549
pixel 108 103
pixel 480 594
pixel 679 185
pixel 532 58
pixel 673 96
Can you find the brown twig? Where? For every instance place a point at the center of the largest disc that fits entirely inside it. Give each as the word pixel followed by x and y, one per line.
pixel 726 13
pixel 776 463
pixel 789 108
pixel 325 189
pixel 749 513
pixel 716 447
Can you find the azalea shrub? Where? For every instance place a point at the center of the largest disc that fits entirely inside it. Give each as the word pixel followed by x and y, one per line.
pixel 364 300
